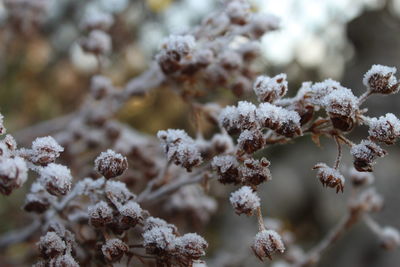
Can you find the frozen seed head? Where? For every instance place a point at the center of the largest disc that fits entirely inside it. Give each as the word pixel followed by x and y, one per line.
pixel 255 172
pixel 158 240
pixel 64 261
pixel 250 141
pixel 100 86
pixel 114 249
pixel 385 129
pixel 284 122
pixel 153 222
pixel 100 214
pixel 230 60
pixel 2 128
pixel 38 200
pixel 222 143
pixel 131 213
pixel 381 80
pixel 191 246
pixel 364 155
pixel 13 174
pixel 329 177
pixel 245 201
pixel 259 24
pixel 51 245
pixel 118 193
pixel 45 150
pixel 360 178
pixel 270 89
pixel 320 90
pixel 97 42
pixel 227 168
pixel 238 11
pixel 110 164
pixel 390 238
pixel 180 148
pixel 56 179
pixel 236 119
pixel 266 243
pixel 228 119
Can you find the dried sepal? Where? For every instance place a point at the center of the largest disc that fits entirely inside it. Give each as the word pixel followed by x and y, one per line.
pixel 330 177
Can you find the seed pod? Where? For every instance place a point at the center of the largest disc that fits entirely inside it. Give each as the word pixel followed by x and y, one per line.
pixel 250 141
pixel 153 222
pixel 381 80
pixel 51 245
pixel 364 155
pixel 368 201
pixel 56 179
pixel 227 169
pixel 131 214
pixel 45 150
pixel 245 201
pixel 100 214
pixel 270 89
pixel 114 249
pixel 255 172
pixel 118 193
pixel 329 177
pixel 111 164
pixel 191 246
pixel 266 243
pixel 13 174
pixel 38 200
pixel 384 129
pixel 64 261
pixel 158 240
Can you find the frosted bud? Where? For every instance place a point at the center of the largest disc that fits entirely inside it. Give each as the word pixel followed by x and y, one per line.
pixel 64 261
pixel 97 20
pixel 329 177
pixel 270 89
pixel 250 141
pixel 38 200
pixel 228 119
pixel 56 179
pixel 45 150
pixel 227 169
pixel 131 213
pixel 262 23
pixel 2 128
pixel 13 174
pixel 360 178
pixel 222 143
pixel 153 222
pixel 158 240
pixel 238 12
pixel 100 86
pixel 266 243
pixel 110 164
pixel 364 155
pixel 51 245
pixel 114 249
pixel 100 214
pixel 245 201
pixel 230 60
pixel 97 42
pixel 118 193
pixel 390 238
pixel 240 86
pixel 381 80
pixel 255 172
pixel 191 245
pixel 385 129
pixel 10 142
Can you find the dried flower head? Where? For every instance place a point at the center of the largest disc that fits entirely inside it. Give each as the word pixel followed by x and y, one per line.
pixel 381 80
pixel 153 222
pixel 110 164
pixel 56 179
pixel 2 128
pixel 158 240
pixel 190 246
pixel 364 155
pixel 238 11
pixel 245 201
pixel 51 245
pixel 45 150
pixel 38 200
pixel 64 261
pixel 227 168
pixel 100 86
pixel 13 174
pixel 330 177
pixel 270 89
pixel 100 214
pixel 236 119
pixel 255 172
pixel 385 129
pixel 131 213
pixel 118 193
pixel 114 249
pixel 266 243
pixel 250 141
pixel 390 238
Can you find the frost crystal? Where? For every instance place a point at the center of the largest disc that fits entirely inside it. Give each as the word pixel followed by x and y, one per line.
pixel 13 174
pixel 158 240
pixel 110 164
pixel 180 148
pixel 56 179
pixel 255 172
pixel 245 201
pixel 386 129
pixel 191 245
pixel 270 89
pixel 250 141
pixel 380 79
pixel 266 243
pixel 45 150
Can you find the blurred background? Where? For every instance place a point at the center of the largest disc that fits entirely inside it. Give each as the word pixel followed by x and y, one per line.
pixel 46 74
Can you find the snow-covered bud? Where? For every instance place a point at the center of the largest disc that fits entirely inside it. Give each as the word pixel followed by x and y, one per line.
pixel 341 106
pixel 317 92
pixel 282 121
pixel 270 89
pixel 100 214
pixel 360 178
pixel 153 222
pixel 51 245
pixel 222 143
pixel 329 176
pixel 38 200
pixel 255 172
pixel 250 141
pixel 238 12
pixel 266 243
pixel 98 43
pixel 240 86
pixel 384 129
pixel 45 150
pixel 158 240
pixel 245 201
pixel 230 60
pixel 10 142
pixel 227 168
pixel 364 155
pixel 131 213
pixel 64 261
pixel 13 174
pixel 390 238
pixel 228 119
pixel 56 179
pixel 262 23
pixel 100 86
pixel 381 80
pixel 191 246
pixel 118 193
pixel 180 148
pixel 114 249
pixel 110 164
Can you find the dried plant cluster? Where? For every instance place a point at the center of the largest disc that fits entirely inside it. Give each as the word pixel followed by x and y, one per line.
pixel 104 219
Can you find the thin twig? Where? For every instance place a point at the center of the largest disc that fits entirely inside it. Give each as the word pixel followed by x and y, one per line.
pixel 339 155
